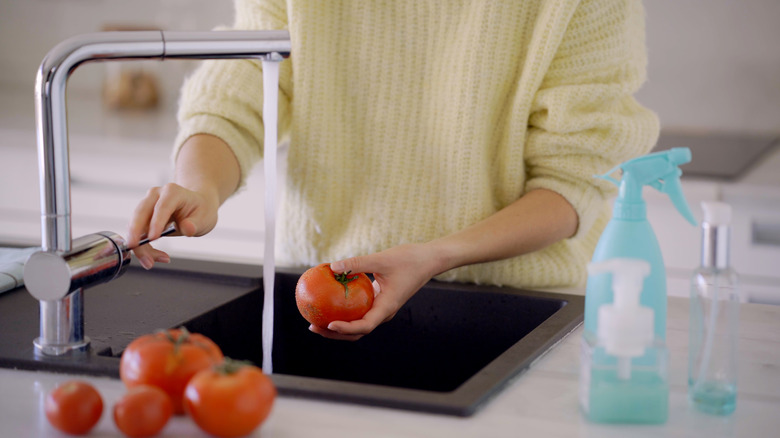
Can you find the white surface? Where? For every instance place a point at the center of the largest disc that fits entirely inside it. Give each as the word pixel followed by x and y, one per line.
pixel 540 403
pixel 707 66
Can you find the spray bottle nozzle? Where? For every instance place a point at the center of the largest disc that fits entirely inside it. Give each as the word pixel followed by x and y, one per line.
pixel 659 170
pixel 624 328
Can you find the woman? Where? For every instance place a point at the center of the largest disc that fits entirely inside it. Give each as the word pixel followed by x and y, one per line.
pixel 455 140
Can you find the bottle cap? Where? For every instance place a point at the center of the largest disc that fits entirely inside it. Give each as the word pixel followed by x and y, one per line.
pixel 716 213
pixel 715 234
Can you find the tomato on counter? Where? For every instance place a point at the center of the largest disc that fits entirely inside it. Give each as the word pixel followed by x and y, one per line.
pixel 168 360
pixel 324 296
pixel 229 400
pixel 143 411
pixel 74 407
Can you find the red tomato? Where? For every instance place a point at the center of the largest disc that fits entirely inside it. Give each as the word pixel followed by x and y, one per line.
pixel 74 407
pixel 229 400
pixel 324 297
pixel 143 411
pixel 168 360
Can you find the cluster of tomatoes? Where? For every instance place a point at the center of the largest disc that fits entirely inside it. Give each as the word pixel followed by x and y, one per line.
pixel 177 372
pixel 166 373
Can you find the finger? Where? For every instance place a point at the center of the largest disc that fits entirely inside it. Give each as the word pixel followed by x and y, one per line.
pixel 147 256
pixel 355 265
pixel 139 224
pixel 187 227
pixel 330 334
pixel 160 256
pixel 171 201
pixel 375 316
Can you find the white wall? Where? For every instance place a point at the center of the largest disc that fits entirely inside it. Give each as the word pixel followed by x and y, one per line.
pixel 30 28
pixel 714 64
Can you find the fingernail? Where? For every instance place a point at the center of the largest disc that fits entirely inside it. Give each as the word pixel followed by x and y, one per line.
pixel 337 266
pixel 162 259
pixel 146 262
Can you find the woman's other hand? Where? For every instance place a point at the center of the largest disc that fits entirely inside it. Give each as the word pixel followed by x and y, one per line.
pixel 399 273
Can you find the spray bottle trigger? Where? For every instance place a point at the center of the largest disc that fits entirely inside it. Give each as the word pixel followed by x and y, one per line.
pixel 608 178
pixel 608 175
pixel 671 186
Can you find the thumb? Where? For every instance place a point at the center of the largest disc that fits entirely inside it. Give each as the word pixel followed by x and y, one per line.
pixel 356 265
pixel 187 227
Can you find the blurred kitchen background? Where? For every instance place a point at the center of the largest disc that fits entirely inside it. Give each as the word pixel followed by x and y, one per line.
pixel 714 64
pixel 714 80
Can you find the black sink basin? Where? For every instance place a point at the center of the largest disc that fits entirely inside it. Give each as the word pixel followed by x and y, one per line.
pixel 448 350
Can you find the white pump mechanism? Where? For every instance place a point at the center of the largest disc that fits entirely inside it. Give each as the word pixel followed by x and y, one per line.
pixel 624 328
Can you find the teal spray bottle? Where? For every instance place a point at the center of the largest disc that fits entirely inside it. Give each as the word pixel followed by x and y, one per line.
pixel 629 234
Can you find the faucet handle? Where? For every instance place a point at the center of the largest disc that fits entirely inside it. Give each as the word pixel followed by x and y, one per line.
pixel 170 229
pixel 95 258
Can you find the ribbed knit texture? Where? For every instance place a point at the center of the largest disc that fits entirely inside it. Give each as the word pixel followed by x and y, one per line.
pixel 408 120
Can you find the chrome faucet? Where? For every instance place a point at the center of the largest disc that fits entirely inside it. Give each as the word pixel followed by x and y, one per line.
pixel 57 275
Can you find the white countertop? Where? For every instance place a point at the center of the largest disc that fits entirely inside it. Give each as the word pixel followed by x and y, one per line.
pixel 541 402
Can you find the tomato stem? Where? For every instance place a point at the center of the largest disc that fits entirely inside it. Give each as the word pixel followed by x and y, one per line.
pixel 231 366
pixel 183 338
pixel 344 279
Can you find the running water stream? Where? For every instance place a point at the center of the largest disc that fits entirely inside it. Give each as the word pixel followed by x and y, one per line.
pixel 270 117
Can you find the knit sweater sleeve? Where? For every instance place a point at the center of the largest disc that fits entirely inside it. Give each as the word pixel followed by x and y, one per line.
pixel 584 119
pixel 224 98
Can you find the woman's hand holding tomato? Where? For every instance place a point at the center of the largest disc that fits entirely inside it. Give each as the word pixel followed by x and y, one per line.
pixel 168 360
pixel 323 296
pixel 399 272
pixel 229 400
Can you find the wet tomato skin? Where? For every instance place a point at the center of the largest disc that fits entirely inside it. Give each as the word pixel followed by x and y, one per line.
pixel 74 407
pixel 168 360
pixel 323 296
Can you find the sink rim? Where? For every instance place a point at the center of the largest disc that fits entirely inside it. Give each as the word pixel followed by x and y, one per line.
pixel 465 400
pixel 469 397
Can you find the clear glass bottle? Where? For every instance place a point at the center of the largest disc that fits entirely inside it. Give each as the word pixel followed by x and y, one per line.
pixel 714 318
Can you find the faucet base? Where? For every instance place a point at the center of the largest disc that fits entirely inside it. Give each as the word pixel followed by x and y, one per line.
pixel 60 349
pixel 62 325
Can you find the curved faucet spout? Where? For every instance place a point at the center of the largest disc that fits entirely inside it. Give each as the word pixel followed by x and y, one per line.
pixel 64 58
pixel 53 155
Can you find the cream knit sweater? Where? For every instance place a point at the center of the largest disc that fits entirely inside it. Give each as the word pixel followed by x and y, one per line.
pixel 408 120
